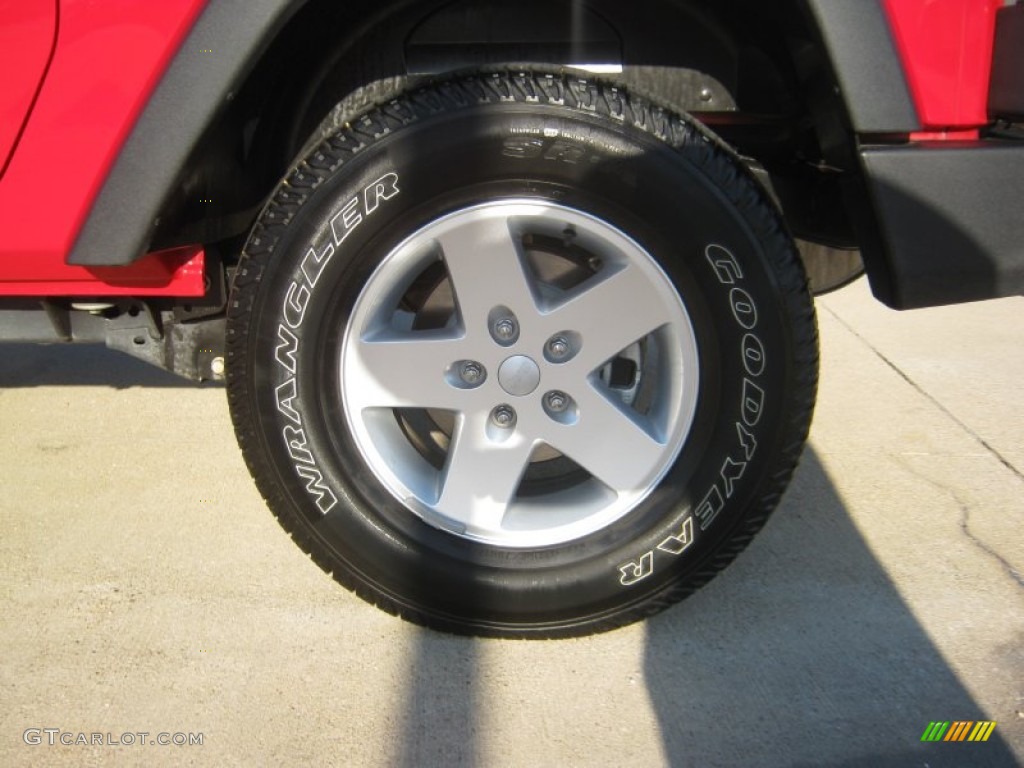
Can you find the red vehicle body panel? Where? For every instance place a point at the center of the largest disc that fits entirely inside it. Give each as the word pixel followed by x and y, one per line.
pixel 946 49
pixel 27 38
pixel 176 272
pixel 109 57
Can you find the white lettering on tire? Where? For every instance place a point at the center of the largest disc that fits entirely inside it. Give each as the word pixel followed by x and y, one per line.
pixel 751 406
pixel 351 214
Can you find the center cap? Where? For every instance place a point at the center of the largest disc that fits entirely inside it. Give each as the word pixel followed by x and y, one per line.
pixel 519 375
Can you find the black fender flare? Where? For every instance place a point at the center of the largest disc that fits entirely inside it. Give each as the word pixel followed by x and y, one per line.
pixel 194 89
pixel 182 106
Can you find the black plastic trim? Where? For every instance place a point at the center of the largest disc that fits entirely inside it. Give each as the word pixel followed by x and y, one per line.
pixel 867 65
pixel 950 221
pixel 466 34
pixel 1006 87
pixel 196 87
pixel 40 321
pixel 192 91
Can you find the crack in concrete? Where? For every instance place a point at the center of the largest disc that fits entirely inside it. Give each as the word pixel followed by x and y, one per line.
pixel 965 521
pixel 965 510
pixel 924 393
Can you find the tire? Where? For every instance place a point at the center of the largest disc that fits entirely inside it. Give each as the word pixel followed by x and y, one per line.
pixel 518 354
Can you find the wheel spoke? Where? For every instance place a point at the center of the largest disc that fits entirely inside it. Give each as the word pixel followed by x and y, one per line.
pixel 481 475
pixel 507 393
pixel 487 269
pixel 606 442
pixel 404 372
pixel 615 312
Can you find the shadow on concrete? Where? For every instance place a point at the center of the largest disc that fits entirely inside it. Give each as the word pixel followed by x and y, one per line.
pixel 441 717
pixel 803 653
pixel 85 365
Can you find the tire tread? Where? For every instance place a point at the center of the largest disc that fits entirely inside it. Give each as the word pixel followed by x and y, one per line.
pixel 393 110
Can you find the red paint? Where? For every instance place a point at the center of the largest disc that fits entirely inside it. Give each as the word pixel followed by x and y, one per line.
pixel 177 272
pixel 28 31
pixel 946 48
pixel 110 55
pixel 966 134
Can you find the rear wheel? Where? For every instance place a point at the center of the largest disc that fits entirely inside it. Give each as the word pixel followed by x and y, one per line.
pixel 517 354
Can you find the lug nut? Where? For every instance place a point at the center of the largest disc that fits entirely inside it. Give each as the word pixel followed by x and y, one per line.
pixel 503 416
pixel 556 401
pixel 505 329
pixel 471 373
pixel 558 347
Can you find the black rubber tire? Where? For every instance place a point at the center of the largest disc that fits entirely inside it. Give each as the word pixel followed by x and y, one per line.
pixel 655 175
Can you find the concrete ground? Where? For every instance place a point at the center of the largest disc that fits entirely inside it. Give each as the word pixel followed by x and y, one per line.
pixel 145 588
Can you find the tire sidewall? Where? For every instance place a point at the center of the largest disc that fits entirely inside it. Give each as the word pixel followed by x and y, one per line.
pixel 694 226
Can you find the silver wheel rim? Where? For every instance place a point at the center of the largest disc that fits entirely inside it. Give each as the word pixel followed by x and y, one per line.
pixel 519 373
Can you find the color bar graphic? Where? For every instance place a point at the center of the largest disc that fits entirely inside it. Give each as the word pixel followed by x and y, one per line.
pixel 958 730
pixel 982 731
pixel 935 731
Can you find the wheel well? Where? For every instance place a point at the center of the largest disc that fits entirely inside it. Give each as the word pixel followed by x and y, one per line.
pixel 755 72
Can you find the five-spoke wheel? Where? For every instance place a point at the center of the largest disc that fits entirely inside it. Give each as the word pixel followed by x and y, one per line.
pixel 549 344
pixel 518 354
